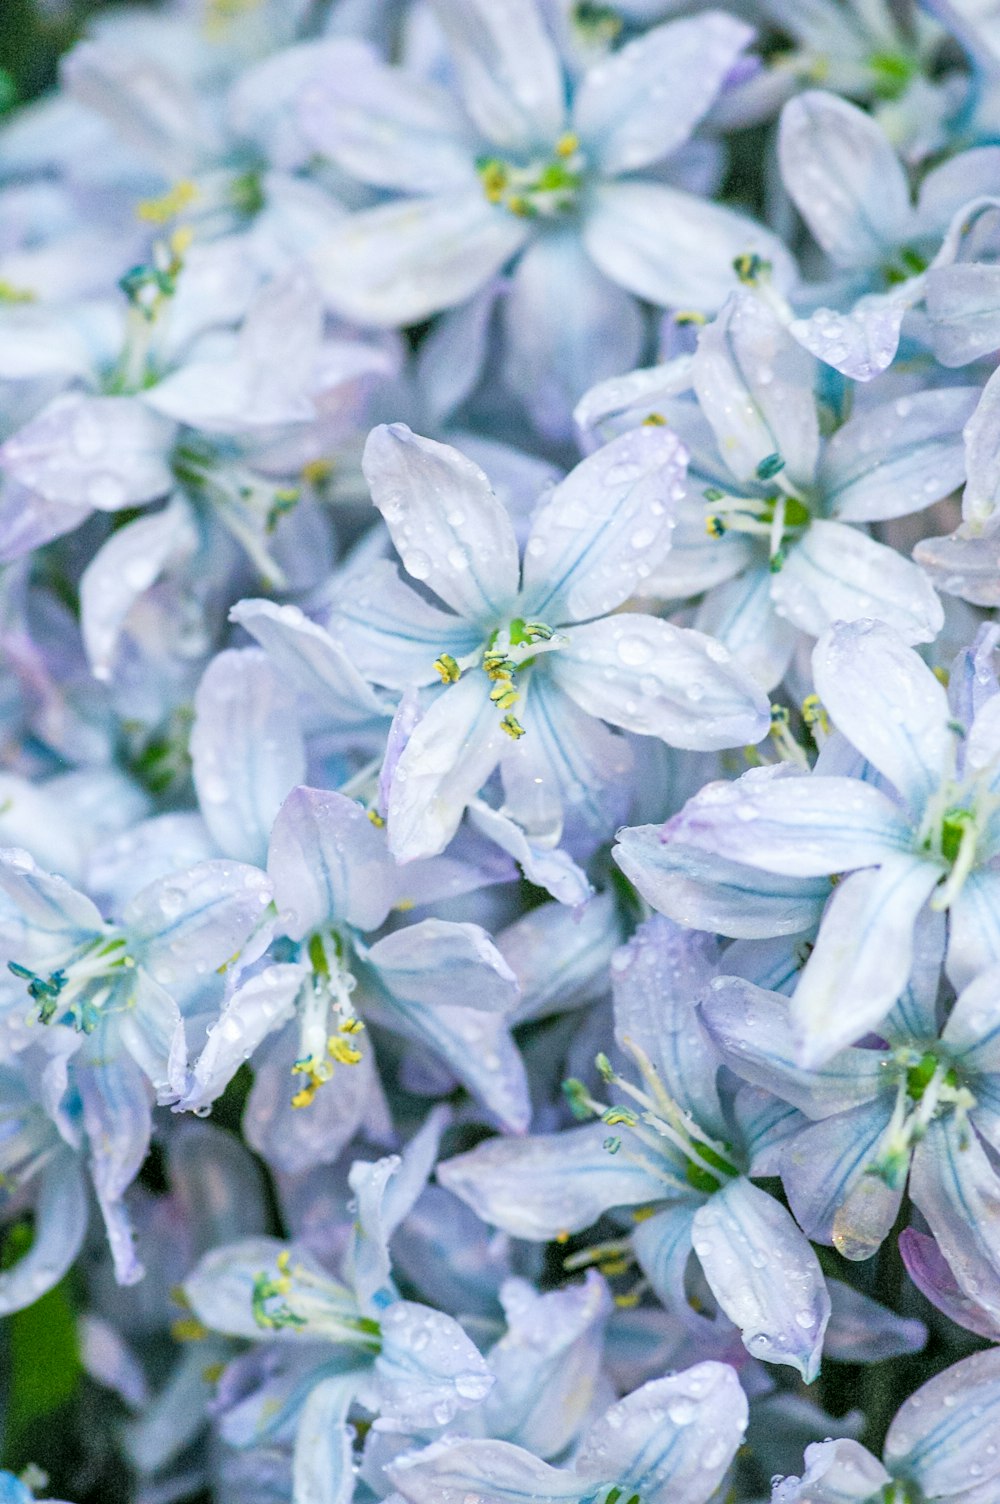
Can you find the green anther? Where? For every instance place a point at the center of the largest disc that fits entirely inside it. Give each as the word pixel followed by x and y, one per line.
pixel 715 527
pixel 598 23
pixel 612 1145
pixel 284 502
pixel 769 466
pixel 893 72
pixel 614 1116
pixel 604 1066
pixel 776 563
pixel 266 1289
pixel 513 727
pixel 577 1096
pixel 493 176
pixel 317 956
pixel 537 631
pixel 613 1496
pixel 779 715
pixel 448 668
pixel 712 493
pixel 751 268
pixel 20 971
pixel 953 828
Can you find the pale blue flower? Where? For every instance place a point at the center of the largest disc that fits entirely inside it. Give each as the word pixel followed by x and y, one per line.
pixel 532 659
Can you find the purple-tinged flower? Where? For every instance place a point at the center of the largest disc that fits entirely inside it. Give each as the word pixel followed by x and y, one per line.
pixel 534 657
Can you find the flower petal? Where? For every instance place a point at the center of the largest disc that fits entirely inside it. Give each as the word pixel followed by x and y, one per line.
pixel 764 1275
pixel 648 676
pixel 308 657
pixel 672 248
pixel 246 749
pixel 428 1370
pixel 451 531
pixel 323 1462
pixel 888 704
pixel 862 957
pixel 438 960
pixel 539 1187
pixel 642 102
pixel 328 862
pixel 947 1435
pixel 495 1472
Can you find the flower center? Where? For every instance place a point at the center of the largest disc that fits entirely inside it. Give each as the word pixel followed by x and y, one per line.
pixel 79 991
pixel 541 189
pixel 298 1297
pixel 509 651
pixel 779 516
pixel 928 1087
pixel 327 992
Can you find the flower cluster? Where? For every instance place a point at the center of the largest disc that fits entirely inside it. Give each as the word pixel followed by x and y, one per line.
pixel 500 779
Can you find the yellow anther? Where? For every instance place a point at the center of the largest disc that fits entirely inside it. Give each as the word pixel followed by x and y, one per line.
pixel 814 714
pixel 654 420
pixel 353 1025
pixel 213 1372
pixel 611 1267
pixel 643 1213
pixel 513 727
pixel 283 1261
pixel 494 180
pixel 689 316
pixel 448 668
pixel 941 675
pixel 404 905
pixel 520 206
pixel 627 1302
pixel 11 294
pixel 304 1097
pixel 504 694
pixel 714 526
pixel 567 144
pixel 188 1329
pixel 562 1236
pixel 376 819
pixel 180 242
pixel 344 1053
pixel 159 211
pixel 317 472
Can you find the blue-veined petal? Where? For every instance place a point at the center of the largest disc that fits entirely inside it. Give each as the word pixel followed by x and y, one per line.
pixel 547 1364
pixel 825 1170
pixel 539 1187
pixel 493 1472
pixel 553 870
pixel 428 1370
pixel 648 676
pixel 862 342
pixel 672 1440
pixel 898 457
pixel 764 1275
pixel 48 905
pixel 117 1116
pixel 328 862
pixel 642 102
pixel 740 614
pixel 974 928
pixel 247 750
pixel 844 177
pixel 508 69
pixel 837 573
pixel 662 1247
pixel 953 1183
pixel 565 327
pixel 862 956
pixel 60 1218
pixel 656 981
pixel 753 1029
pixel 386 126
pixel 755 387
pixel 310 659
pixel 449 756
pixel 672 248
pixel 888 704
pixel 963 310
pixel 947 1436
pixel 560 955
pixel 797 825
pixel 323 1462
pixel 708 892
pixel 451 532
pixel 837 1472
pixel 255 1010
pixel 152 1031
pixel 186 926
pixel 103 452
pixel 593 534
pixel 400 262
pixel 440 961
